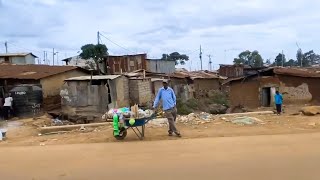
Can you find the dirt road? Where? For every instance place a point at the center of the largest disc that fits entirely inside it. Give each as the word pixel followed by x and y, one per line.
pixel 282 157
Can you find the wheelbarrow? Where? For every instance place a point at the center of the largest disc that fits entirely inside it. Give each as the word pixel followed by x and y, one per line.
pixel 137 125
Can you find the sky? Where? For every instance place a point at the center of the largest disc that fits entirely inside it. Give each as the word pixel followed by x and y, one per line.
pixel 223 28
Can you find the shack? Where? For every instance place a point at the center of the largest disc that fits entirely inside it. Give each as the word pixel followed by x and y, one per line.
pixel 48 78
pixel 298 86
pixel 94 95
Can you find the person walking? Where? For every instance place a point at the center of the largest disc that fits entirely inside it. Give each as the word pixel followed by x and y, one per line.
pixel 169 101
pixel 278 99
pixel 7 106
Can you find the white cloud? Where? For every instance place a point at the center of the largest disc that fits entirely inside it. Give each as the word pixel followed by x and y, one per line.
pixel 158 27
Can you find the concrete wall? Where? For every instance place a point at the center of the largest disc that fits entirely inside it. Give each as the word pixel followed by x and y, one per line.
pixel 140 91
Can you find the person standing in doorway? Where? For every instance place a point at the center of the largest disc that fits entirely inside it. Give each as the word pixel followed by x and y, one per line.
pixel 169 101
pixel 278 99
pixel 7 106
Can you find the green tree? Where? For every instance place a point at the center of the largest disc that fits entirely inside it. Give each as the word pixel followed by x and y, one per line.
pixel 249 58
pixel 300 58
pixel 291 62
pixel 311 58
pixel 280 60
pixel 96 52
pixel 177 57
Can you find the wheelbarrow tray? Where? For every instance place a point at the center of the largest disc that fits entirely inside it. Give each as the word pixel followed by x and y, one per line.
pixel 140 122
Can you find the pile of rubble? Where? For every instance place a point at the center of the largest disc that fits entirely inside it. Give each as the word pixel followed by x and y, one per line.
pixel 196 119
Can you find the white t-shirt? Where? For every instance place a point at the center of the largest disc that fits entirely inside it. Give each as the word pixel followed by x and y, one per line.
pixel 8 101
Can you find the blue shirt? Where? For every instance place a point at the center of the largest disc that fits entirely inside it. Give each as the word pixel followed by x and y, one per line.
pixel 168 98
pixel 278 99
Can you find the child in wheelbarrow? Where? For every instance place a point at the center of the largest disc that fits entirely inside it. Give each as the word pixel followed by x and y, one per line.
pixel 166 94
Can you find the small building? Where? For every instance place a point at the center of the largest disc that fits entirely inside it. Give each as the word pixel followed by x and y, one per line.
pixel 298 86
pixel 92 95
pixel 18 58
pixel 126 63
pixel 160 66
pixel 48 78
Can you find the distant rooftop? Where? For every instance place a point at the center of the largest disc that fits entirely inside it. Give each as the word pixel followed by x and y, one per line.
pixel 17 55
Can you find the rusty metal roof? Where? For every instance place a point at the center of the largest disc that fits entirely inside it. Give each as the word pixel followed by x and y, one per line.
pixel 10 71
pixel 300 72
pixel 197 75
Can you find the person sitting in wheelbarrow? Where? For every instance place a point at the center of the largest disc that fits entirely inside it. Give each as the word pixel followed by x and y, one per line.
pixel 166 94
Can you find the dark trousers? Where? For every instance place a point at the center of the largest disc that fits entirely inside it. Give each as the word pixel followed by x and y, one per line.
pixel 171 115
pixel 279 108
pixel 1 113
pixel 5 112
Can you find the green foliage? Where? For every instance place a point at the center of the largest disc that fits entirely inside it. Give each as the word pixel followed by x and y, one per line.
pixel 182 108
pixel 278 61
pixel 175 56
pixel 96 52
pixel 218 97
pixel 249 58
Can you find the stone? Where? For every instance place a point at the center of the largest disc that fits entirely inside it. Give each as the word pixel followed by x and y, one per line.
pixel 310 110
pixel 217 109
pixel 313 124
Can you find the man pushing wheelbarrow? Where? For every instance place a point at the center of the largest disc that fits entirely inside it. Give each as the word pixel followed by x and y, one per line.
pixel 169 102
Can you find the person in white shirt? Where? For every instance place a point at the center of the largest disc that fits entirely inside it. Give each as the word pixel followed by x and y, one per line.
pixel 7 106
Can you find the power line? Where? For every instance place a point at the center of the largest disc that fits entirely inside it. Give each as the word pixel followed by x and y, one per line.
pixel 101 34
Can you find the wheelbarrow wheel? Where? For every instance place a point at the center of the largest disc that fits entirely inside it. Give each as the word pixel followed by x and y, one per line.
pixel 122 134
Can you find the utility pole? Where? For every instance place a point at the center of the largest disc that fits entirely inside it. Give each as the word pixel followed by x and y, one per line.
pixel 44 57
pixel 200 56
pixel 282 59
pixel 210 63
pixel 6 45
pixel 98 37
pixel 53 56
pixel 301 54
pixel 57 58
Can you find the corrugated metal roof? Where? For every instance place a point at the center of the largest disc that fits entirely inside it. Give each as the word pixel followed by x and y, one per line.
pixel 10 71
pixel 300 72
pixel 16 54
pixel 86 78
pixel 196 75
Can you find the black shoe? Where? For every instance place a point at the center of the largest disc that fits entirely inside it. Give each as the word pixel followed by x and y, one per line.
pixel 178 134
pixel 170 134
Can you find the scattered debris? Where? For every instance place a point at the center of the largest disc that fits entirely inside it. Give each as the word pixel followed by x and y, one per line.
pixel 246 120
pixel 196 119
pixel 310 110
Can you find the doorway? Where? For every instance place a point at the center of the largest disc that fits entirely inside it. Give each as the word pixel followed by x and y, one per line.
pixel 266 97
